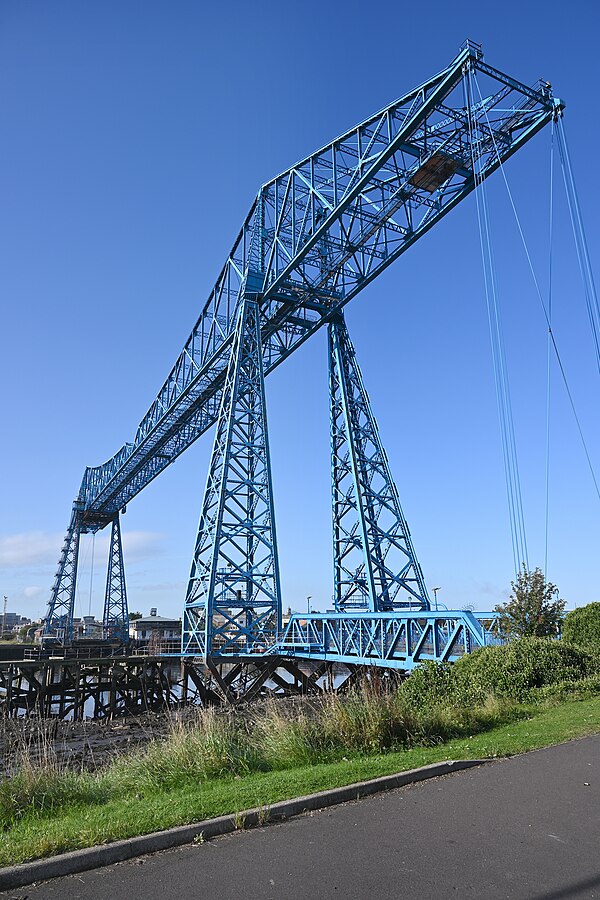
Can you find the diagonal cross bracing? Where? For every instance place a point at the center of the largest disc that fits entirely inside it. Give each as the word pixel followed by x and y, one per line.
pixel 115 621
pixel 233 601
pixel 58 622
pixel 399 640
pixel 375 565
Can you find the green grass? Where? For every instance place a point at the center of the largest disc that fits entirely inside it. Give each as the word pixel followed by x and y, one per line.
pixel 98 816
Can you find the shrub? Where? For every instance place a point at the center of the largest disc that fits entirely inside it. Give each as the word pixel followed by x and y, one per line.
pixel 510 671
pixel 582 626
pixel 514 669
pixel 582 689
pixel 430 685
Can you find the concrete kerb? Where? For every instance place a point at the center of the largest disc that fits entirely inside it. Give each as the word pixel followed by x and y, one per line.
pixel 119 851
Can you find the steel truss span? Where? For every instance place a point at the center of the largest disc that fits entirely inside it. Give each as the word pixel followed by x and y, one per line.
pixel 397 640
pixel 314 237
pixel 319 233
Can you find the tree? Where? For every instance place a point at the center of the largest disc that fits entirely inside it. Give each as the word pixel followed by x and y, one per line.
pixel 533 608
pixel 24 635
pixel 134 615
pixel 582 626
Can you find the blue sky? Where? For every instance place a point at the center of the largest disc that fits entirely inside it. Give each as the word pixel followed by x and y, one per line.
pixel 134 137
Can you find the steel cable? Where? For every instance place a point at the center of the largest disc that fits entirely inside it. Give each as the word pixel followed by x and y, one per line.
pixel 541 299
pixel 507 433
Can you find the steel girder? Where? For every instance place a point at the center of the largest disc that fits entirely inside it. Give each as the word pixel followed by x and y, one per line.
pixel 58 622
pixel 115 621
pixel 233 602
pixel 399 640
pixel 317 234
pixel 374 563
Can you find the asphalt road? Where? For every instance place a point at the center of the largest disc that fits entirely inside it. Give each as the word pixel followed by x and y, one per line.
pixel 527 827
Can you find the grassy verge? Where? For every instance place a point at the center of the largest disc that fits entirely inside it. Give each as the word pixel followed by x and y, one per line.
pixel 93 820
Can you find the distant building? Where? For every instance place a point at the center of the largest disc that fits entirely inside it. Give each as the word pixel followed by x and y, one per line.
pixel 11 625
pixel 155 628
pixel 87 627
pixel 11 621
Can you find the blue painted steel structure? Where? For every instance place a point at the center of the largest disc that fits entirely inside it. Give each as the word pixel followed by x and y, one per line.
pixel 233 601
pixel 398 640
pixel 375 566
pixel 314 237
pixel 115 621
pixel 58 623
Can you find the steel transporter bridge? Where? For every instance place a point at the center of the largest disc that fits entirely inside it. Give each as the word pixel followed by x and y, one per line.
pixel 315 236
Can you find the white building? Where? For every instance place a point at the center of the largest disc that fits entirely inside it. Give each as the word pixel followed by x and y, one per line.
pixel 159 628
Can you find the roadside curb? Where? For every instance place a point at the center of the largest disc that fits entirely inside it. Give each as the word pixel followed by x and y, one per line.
pixel 119 851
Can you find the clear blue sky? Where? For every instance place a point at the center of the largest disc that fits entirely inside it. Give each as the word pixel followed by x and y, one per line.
pixel 134 136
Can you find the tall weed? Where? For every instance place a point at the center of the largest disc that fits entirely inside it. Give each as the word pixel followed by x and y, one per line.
pixel 40 786
pixel 216 745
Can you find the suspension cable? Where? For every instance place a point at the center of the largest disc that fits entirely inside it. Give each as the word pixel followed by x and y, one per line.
pixel 541 299
pixel 503 397
pixel 549 351
pixel 92 573
pixel 583 255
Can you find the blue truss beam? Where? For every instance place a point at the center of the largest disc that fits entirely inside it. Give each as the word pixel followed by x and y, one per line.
pixel 398 640
pixel 316 235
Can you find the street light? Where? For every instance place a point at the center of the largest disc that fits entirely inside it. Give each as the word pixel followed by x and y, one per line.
pixel 435 593
pixel 308 599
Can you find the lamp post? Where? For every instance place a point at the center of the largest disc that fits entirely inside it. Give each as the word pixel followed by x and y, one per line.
pixel 4 615
pixel 435 593
pixel 308 599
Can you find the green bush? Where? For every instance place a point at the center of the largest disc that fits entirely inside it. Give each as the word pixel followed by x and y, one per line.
pixel 582 626
pixel 582 689
pixel 430 685
pixel 513 670
pixel 510 671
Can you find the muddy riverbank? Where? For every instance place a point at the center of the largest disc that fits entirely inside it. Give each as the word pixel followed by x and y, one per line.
pixel 79 745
